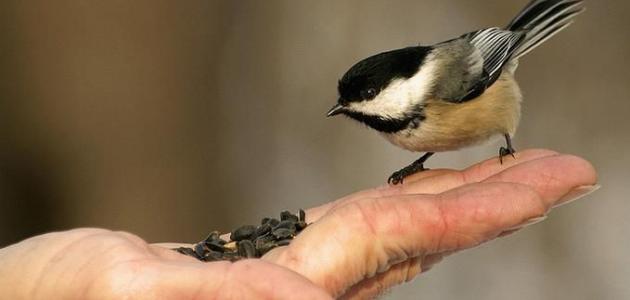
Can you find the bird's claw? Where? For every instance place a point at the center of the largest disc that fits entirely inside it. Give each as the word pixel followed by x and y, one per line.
pixel 399 176
pixel 503 152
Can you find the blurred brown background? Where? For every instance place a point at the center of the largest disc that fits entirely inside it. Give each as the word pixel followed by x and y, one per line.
pixel 171 118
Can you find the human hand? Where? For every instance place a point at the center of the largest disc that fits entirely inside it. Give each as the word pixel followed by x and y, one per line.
pixel 356 248
pixel 368 242
pixel 102 264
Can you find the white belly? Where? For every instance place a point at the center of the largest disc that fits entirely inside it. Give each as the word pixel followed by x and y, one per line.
pixel 451 126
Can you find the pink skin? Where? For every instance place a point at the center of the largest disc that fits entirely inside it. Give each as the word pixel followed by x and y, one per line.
pixel 356 247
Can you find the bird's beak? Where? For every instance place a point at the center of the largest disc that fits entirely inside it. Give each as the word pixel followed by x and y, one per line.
pixel 337 109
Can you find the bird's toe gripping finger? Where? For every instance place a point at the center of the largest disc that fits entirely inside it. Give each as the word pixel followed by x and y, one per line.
pixel 503 152
pixel 396 178
pixel 399 176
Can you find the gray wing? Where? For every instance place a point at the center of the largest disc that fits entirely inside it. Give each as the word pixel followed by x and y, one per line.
pixel 496 47
pixel 474 62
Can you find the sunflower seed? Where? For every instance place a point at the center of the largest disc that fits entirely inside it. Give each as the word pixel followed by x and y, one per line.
pixel 287 216
pixel 273 222
pixel 282 233
pixel 243 233
pixel 285 242
pixel 246 249
pixel 186 251
pixel 200 250
pixel 213 256
pixel 300 225
pixel 215 246
pixel 262 230
pixel 286 224
pixel 302 215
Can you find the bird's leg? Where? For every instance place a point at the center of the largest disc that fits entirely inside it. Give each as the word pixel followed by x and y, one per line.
pixel 415 167
pixel 503 152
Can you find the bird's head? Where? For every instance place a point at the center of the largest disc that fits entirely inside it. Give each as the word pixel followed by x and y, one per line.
pixel 386 87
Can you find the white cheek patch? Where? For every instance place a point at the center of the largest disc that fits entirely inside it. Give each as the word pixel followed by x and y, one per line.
pixel 401 95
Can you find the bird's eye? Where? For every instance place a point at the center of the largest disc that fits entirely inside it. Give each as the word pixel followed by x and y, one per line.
pixel 369 94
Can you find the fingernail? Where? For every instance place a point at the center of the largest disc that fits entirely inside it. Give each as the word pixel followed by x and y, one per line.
pixel 527 223
pixel 576 194
pixel 507 232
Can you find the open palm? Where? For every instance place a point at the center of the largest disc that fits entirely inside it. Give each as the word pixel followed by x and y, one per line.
pixel 356 247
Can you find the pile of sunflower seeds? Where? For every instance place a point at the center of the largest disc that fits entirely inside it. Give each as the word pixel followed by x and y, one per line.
pixel 249 241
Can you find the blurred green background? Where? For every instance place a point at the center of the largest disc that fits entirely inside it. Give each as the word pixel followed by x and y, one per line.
pixel 172 118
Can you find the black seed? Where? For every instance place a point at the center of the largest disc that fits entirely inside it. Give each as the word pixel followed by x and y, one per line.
pixel 261 241
pixel 186 251
pixel 286 224
pixel 200 250
pixel 273 222
pixel 243 233
pixel 231 256
pixel 266 247
pixel 287 216
pixel 262 230
pixel 249 241
pixel 213 236
pixel 215 246
pixel 301 225
pixel 283 233
pixel 284 242
pixel 213 256
pixel 246 249
pixel 266 237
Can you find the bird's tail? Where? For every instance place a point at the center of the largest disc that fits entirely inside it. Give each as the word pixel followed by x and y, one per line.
pixel 542 19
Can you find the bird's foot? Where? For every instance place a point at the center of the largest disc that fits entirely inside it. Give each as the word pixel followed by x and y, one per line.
pixel 503 152
pixel 398 177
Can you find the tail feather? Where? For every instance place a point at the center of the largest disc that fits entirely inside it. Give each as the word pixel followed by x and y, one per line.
pixel 542 19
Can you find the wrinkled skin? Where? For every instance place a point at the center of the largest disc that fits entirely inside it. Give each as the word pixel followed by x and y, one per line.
pixel 356 248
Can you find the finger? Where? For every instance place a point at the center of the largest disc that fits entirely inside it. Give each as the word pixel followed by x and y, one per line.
pixel 382 232
pixel 398 274
pixel 428 174
pixel 474 173
pixel 490 166
pixel 434 181
pixel 552 177
pixel 477 213
pixel 373 287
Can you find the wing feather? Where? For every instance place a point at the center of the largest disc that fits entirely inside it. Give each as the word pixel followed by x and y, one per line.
pixel 496 47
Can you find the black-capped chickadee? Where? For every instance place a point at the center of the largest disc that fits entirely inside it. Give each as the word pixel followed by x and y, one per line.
pixel 453 94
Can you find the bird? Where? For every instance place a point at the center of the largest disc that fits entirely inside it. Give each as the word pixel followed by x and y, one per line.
pixel 453 94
